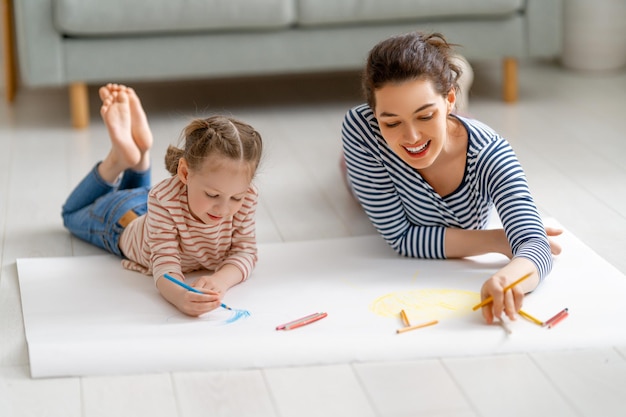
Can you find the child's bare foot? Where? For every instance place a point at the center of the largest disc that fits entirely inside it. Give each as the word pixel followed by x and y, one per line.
pixel 124 152
pixel 140 129
pixel 107 90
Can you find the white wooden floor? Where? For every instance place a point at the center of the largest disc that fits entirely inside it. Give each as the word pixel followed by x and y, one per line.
pixel 567 129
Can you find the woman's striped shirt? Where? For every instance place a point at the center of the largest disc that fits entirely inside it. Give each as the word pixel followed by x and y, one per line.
pixel 412 217
pixel 169 239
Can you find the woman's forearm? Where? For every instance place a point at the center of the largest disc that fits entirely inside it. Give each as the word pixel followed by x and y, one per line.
pixel 459 243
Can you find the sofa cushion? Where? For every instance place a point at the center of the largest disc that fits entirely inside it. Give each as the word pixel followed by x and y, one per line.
pixel 316 12
pixel 108 17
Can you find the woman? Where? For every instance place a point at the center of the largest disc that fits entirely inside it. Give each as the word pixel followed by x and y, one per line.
pixel 428 179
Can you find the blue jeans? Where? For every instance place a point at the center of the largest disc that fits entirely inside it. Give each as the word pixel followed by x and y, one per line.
pixel 93 210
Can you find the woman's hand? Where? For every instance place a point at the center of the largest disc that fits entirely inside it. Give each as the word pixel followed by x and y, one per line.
pixel 508 302
pixel 555 247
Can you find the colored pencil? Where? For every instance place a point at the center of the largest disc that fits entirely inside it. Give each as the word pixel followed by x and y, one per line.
pixel 417 326
pixel 291 323
pixel 529 317
pixel 190 288
pixel 302 322
pixel 508 287
pixel 558 320
pixel 405 319
pixel 557 316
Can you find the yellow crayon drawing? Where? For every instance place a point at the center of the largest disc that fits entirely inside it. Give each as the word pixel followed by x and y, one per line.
pixel 426 304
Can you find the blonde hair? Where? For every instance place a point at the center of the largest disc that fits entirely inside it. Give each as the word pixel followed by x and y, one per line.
pixel 216 135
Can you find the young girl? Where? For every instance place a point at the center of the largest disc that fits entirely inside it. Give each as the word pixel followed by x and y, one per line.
pixel 200 218
pixel 428 179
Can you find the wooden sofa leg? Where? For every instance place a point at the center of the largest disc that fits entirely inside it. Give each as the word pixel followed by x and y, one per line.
pixel 509 80
pixel 79 105
pixel 8 46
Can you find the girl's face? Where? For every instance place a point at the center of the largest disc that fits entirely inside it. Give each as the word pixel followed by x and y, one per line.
pixel 413 120
pixel 217 190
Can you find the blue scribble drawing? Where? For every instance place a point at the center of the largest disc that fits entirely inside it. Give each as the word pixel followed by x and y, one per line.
pixel 237 314
pixel 218 317
pixel 213 316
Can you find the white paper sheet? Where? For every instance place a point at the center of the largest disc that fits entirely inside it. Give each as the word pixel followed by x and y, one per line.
pixel 89 316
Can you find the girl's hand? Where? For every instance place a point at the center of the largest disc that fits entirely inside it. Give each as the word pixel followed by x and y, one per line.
pixel 220 281
pixel 194 304
pixel 212 283
pixel 189 302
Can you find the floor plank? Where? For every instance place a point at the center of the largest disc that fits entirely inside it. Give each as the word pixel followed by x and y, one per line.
pixel 509 384
pixel 13 349
pixel 133 395
pixel 20 396
pixel 222 394
pixel 317 391
pixel 594 381
pixel 419 388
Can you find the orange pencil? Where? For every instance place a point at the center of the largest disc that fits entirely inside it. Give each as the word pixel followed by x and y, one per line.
pixel 508 287
pixel 405 319
pixel 417 326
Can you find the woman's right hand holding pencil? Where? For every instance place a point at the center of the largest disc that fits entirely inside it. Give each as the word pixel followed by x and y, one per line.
pixel 503 292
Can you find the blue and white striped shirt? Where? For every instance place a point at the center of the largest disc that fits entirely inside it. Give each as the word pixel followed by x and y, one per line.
pixel 412 217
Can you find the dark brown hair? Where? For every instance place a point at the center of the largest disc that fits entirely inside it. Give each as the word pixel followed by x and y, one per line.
pixel 409 57
pixel 216 135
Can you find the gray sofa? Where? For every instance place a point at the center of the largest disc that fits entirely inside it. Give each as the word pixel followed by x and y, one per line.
pixel 76 43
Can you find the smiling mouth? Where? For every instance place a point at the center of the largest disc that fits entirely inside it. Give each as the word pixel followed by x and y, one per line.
pixel 416 150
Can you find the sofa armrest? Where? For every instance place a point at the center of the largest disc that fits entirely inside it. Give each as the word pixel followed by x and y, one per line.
pixel 545 27
pixel 39 45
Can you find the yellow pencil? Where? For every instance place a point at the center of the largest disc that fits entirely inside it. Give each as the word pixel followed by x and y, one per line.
pixel 508 287
pixel 405 319
pixel 529 317
pixel 417 326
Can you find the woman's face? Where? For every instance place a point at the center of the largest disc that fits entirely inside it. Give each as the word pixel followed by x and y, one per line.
pixel 217 190
pixel 413 120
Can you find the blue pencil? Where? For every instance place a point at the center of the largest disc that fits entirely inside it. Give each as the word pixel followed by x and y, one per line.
pixel 190 288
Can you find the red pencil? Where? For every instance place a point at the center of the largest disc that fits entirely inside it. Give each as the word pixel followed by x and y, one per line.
pixel 558 320
pixel 302 322
pixel 557 316
pixel 282 326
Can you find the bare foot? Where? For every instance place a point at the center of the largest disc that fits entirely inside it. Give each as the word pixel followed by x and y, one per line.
pixel 106 90
pixel 140 129
pixel 124 152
